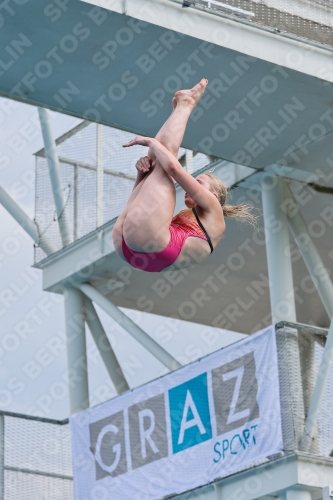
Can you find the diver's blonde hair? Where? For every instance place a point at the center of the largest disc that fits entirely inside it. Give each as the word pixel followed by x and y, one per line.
pixel 243 211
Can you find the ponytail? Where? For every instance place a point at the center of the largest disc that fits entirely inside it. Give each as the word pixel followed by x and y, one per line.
pixel 243 211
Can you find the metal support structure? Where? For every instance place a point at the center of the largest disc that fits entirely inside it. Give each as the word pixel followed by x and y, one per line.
pixel 104 347
pixel 318 393
pixel 189 160
pixel 88 166
pixel 76 202
pixel 307 356
pixel 218 491
pixel 277 244
pixel 54 169
pixel 313 395
pixel 298 495
pixel 100 177
pixel 2 457
pixel 125 322
pixel 310 254
pixel 76 350
pixel 281 286
pixel 25 222
pixel 328 492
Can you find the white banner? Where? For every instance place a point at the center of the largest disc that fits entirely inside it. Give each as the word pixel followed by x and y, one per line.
pixel 183 430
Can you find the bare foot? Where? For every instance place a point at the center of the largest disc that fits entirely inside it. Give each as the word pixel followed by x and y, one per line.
pixel 191 96
pixel 174 103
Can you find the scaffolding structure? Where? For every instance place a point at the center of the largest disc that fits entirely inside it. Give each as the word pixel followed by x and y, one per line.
pixel 305 353
pixel 82 187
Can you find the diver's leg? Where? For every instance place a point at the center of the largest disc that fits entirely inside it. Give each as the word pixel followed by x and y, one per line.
pixel 172 132
pixel 117 232
pixel 147 222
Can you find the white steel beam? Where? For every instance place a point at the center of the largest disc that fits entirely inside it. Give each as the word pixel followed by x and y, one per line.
pixel 310 254
pixel 218 491
pixel 76 202
pixel 277 243
pixel 25 222
pixel 100 176
pixel 298 495
pixel 55 176
pixel 104 347
pixel 88 166
pixel 2 457
pixel 189 160
pixel 76 350
pixel 242 36
pixel 318 393
pixel 125 322
pixel 328 492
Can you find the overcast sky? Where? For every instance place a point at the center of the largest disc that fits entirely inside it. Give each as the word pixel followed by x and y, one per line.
pixel 32 347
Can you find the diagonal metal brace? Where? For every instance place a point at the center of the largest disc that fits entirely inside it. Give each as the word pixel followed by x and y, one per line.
pixel 104 347
pixel 25 222
pixel 125 322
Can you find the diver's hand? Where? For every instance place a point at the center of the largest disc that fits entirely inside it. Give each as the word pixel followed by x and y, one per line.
pixel 140 141
pixel 144 164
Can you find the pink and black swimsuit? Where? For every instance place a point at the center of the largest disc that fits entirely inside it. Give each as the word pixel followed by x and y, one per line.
pixel 182 226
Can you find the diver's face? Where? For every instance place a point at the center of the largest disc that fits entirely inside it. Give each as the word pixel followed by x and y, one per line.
pixel 203 180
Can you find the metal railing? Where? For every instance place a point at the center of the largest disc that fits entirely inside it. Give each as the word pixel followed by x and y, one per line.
pixel 307 20
pixel 35 458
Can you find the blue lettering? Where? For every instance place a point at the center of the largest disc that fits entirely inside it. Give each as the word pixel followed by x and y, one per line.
pixel 254 427
pixel 217 452
pixel 246 435
pixel 225 448
pixel 235 444
pixel 241 442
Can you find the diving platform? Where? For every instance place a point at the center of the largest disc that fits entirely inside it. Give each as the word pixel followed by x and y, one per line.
pixel 267 109
pixel 119 63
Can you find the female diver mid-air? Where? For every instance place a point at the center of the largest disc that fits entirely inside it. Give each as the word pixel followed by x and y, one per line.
pixel 146 234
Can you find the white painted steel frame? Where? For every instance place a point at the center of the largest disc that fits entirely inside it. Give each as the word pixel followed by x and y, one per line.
pixel 133 329
pixel 104 347
pixel 100 176
pixel 328 492
pixel 76 202
pixel 221 6
pixel 318 393
pixel 25 222
pixel 76 350
pixel 189 160
pixel 280 274
pixel 324 286
pixel 2 457
pixel 88 166
pixel 294 494
pixel 310 254
pixel 272 480
pixel 242 36
pixel 55 176
pixel 277 242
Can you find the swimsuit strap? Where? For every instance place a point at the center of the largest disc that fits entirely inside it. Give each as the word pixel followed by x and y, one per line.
pixel 204 230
